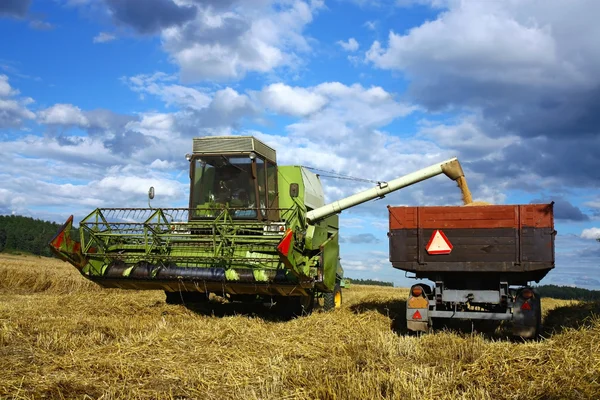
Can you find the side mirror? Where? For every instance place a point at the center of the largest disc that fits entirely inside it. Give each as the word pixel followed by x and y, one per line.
pixel 294 190
pixel 151 192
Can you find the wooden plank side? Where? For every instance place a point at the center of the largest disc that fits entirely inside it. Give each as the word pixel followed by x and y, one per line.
pixel 468 217
pixel 493 216
pixel 402 217
pixel 475 246
pixel 537 215
pixel 451 217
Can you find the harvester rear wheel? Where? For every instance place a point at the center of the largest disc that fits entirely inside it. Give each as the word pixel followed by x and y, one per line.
pixel 334 299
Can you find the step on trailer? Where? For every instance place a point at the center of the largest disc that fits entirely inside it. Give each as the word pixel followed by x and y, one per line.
pixel 481 260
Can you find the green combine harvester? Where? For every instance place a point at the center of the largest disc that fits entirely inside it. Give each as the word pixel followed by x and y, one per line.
pixel 253 232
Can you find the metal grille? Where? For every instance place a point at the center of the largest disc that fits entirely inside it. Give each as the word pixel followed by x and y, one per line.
pixel 233 144
pixel 138 234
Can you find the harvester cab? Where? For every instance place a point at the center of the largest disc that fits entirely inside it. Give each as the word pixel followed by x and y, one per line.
pixel 253 231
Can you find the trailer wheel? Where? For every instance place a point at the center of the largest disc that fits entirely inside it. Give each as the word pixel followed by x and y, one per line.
pixel 527 322
pixel 334 299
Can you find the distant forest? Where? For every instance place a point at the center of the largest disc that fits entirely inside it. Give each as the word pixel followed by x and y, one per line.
pixel 26 235
pixel 370 282
pixel 568 293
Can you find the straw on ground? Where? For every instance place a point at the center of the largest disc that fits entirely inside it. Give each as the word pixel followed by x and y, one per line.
pixel 63 337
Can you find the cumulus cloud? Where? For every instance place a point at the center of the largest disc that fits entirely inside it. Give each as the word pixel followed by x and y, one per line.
pixel 564 210
pixel 253 36
pixel 150 16
pixel 13 111
pixel 158 84
pixel 5 89
pixel 350 45
pixel 294 101
pixel 104 37
pixel 371 25
pixel 63 114
pixel 591 233
pixel 527 70
pixel 14 8
pixel 219 40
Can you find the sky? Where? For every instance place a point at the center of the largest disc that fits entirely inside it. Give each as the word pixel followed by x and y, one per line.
pixel 100 99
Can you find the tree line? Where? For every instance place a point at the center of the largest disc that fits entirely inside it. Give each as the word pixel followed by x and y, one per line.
pixel 568 293
pixel 372 282
pixel 20 234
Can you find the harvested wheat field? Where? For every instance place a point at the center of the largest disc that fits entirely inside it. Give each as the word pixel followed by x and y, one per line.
pixel 63 337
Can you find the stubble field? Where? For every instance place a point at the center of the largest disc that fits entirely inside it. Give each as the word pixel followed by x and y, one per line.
pixel 61 336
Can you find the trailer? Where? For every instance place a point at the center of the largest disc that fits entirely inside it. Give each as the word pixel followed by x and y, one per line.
pixel 481 261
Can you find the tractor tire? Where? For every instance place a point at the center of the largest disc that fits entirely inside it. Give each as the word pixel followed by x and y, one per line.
pixel 289 307
pixel 333 300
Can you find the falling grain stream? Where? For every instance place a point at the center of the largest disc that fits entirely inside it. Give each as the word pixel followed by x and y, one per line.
pixel 466 193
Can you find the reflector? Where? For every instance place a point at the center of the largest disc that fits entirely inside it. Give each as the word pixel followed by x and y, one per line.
pixel 416 315
pixel 527 293
pixel 526 306
pixel 285 244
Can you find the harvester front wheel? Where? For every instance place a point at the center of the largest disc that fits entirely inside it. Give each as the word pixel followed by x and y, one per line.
pixel 334 299
pixel 288 307
pixel 185 297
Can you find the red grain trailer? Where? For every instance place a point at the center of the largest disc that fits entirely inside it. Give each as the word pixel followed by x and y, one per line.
pixel 481 260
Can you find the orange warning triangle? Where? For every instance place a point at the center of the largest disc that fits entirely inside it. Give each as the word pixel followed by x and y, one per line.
pixel 417 315
pixel 438 243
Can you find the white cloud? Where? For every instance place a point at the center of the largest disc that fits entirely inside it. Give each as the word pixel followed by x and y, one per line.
pixel 63 114
pixel 471 36
pixel 525 72
pixel 226 44
pixel 466 136
pixel 104 37
pixel 162 164
pixel 158 125
pixel 593 204
pixel 350 45
pixel 295 101
pixel 172 94
pixel 138 185
pixel 13 111
pixel 591 233
pixel 498 46
pixel 5 89
pixel 429 3
pixel 371 25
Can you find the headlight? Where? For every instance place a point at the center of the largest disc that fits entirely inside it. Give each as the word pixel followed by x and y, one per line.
pixel 275 228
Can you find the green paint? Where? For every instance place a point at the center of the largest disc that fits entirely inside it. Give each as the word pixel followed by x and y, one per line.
pixel 231 275
pixel 260 275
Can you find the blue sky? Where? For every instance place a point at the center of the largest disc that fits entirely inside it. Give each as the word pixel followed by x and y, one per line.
pixel 100 99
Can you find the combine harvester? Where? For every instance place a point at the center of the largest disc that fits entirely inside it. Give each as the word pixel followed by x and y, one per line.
pixel 480 260
pixel 254 232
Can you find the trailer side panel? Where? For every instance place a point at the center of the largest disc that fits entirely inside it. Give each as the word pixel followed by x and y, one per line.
pixel 503 239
